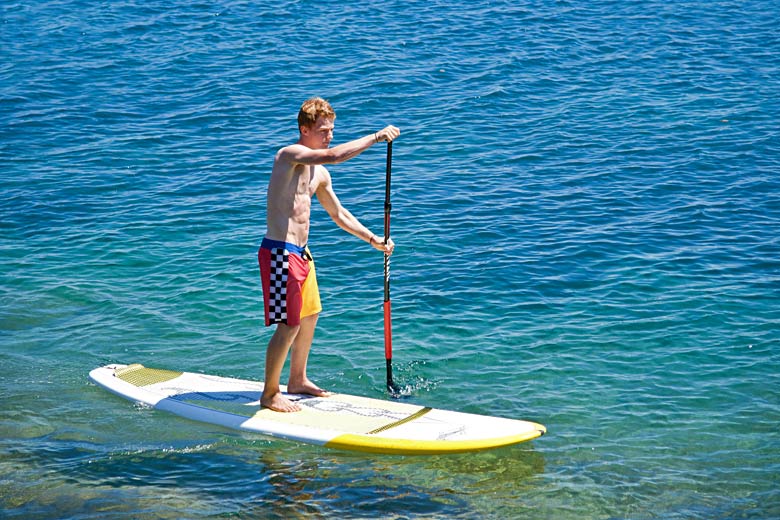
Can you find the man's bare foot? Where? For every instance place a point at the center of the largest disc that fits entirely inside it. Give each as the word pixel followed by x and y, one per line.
pixel 279 403
pixel 309 388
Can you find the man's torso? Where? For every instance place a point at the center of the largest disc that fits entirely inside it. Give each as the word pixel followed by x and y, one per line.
pixel 290 191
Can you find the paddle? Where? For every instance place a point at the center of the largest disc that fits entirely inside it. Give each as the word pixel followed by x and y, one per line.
pixel 391 386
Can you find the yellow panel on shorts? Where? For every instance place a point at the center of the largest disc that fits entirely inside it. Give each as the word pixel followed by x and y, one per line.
pixel 310 292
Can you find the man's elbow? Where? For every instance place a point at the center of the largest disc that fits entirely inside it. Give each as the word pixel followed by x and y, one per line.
pixel 336 216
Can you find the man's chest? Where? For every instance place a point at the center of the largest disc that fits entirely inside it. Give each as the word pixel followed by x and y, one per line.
pixel 309 179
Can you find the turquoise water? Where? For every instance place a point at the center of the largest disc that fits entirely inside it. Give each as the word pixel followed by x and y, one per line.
pixel 586 204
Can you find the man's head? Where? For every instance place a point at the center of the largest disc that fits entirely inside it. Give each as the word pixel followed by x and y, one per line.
pixel 315 122
pixel 312 109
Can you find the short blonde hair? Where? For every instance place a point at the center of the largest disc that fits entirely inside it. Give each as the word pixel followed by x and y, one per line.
pixel 312 109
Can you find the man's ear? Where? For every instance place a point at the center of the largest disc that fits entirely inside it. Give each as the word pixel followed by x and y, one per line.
pixel 304 130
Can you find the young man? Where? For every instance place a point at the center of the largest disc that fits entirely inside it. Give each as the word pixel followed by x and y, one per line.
pixel 290 292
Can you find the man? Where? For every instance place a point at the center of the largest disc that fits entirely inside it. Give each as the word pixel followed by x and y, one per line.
pixel 289 281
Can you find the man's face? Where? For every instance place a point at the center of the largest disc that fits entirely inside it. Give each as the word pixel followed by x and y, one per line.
pixel 321 134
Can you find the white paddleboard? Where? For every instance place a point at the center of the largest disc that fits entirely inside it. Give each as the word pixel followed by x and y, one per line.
pixel 340 421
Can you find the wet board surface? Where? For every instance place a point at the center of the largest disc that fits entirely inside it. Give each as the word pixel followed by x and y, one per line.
pixel 341 421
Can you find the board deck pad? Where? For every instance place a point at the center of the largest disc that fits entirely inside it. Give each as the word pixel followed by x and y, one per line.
pixel 339 421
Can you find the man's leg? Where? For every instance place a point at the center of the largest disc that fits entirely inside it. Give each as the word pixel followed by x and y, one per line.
pixel 275 356
pixel 299 383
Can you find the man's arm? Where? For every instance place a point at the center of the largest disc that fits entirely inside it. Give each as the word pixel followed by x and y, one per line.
pixel 346 220
pixel 299 154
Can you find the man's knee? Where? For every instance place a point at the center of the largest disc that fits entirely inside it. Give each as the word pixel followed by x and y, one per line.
pixel 287 331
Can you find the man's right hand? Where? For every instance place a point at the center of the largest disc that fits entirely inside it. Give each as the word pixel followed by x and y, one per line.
pixel 388 133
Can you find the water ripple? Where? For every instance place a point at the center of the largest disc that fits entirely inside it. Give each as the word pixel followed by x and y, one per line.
pixel 585 206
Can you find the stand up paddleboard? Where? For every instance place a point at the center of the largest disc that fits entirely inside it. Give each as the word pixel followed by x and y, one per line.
pixel 340 421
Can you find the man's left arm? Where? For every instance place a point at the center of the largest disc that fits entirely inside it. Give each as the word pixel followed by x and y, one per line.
pixel 346 220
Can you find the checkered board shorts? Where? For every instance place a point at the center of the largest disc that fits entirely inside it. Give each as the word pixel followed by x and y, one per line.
pixel 277 294
pixel 284 268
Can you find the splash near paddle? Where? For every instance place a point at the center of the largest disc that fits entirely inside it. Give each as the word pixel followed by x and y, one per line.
pixel 341 421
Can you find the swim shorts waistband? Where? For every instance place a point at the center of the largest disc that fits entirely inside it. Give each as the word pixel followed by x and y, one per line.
pixel 269 243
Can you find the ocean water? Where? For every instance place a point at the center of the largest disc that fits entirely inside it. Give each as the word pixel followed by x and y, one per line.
pixel 586 206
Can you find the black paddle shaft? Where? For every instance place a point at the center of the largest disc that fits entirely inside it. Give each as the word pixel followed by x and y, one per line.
pixel 388 208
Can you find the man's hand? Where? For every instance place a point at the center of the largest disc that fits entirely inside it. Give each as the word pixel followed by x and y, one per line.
pixel 388 133
pixel 379 245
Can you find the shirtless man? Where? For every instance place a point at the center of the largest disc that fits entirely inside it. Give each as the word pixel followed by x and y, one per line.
pixel 287 270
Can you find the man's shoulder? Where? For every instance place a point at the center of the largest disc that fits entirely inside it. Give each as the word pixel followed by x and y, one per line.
pixel 294 146
pixel 292 154
pixel 284 158
pixel 288 150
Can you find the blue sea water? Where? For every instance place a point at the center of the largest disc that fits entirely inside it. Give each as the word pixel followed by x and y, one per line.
pixel 586 206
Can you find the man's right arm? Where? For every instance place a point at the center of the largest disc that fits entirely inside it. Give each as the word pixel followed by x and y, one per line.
pixel 299 154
